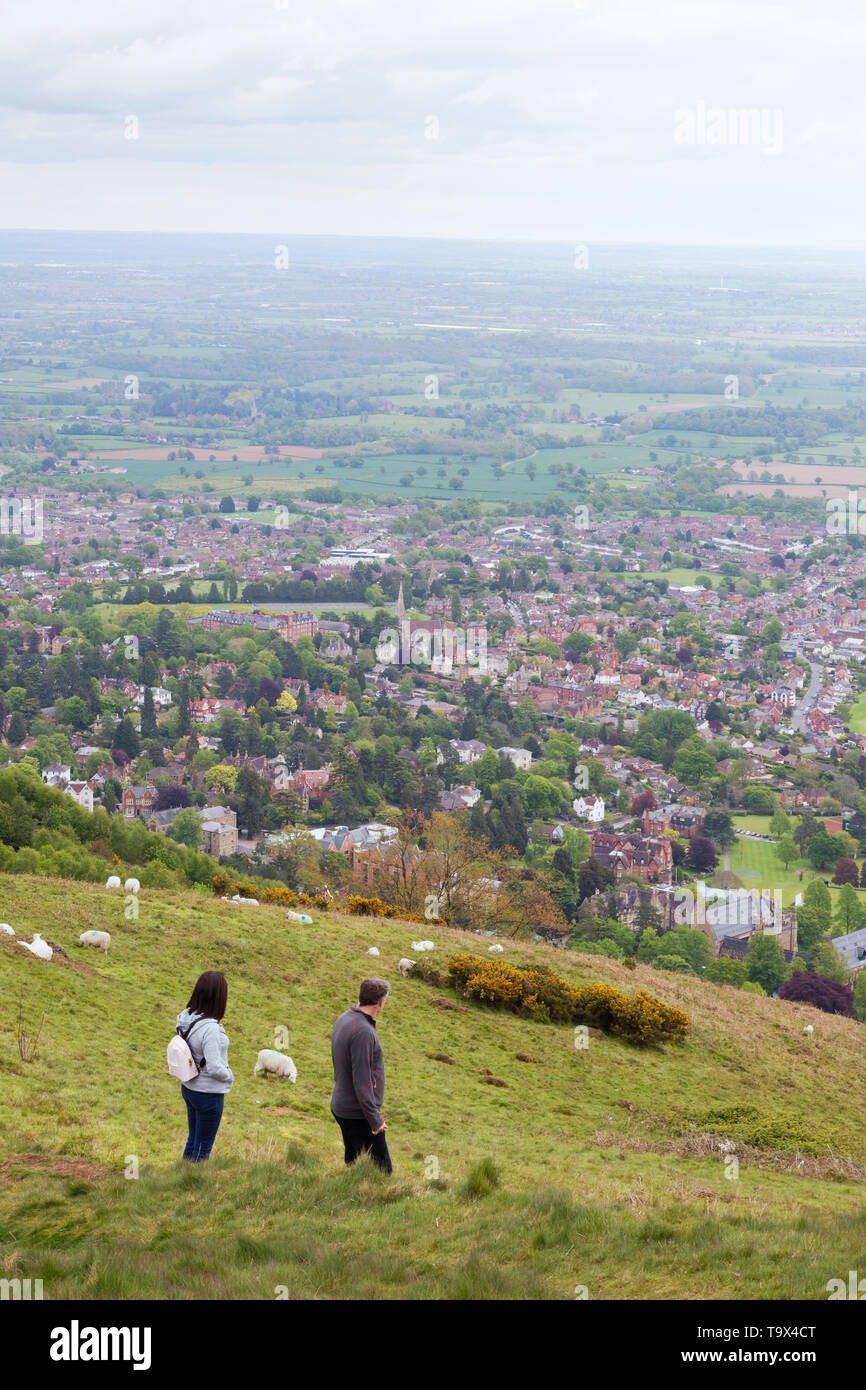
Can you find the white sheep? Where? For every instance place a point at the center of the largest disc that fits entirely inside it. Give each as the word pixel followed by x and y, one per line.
pixel 100 939
pixel 405 965
pixel 299 917
pixel 373 951
pixel 6 929
pixel 250 902
pixel 809 1030
pixel 496 948
pixel 39 947
pixel 113 882
pixel 276 1062
pixel 131 885
pixel 423 945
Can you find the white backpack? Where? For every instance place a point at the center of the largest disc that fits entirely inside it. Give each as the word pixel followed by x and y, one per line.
pixel 181 1062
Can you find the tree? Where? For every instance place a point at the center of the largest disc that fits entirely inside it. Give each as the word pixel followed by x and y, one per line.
pixel 694 762
pixel 809 927
pixel 126 738
pixel 846 871
pixel 248 800
pixel 648 946
pixel 786 850
pixel 726 971
pixel 702 854
pixel 817 896
pixel 169 795
pixel 860 996
pixel 643 801
pixel 665 961
pixel 691 944
pixel 648 918
pixel 591 878
pixel 227 504
pixel 823 850
pixel 759 800
pixel 848 916
pixel 807 826
pixel 487 769
pixel 186 828
pixel 720 828
pixel 780 823
pixel 286 703
pixel 184 718
pixel 765 962
pixel 148 715
pixel 825 960
pixel 809 988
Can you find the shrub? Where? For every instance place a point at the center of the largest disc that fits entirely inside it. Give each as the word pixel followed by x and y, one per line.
pixel 539 994
pixel 825 994
pixel 369 907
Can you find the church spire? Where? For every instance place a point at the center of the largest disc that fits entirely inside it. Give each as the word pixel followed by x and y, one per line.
pixel 401 607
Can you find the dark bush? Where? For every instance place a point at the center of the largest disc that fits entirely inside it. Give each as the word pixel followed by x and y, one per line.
pixel 808 988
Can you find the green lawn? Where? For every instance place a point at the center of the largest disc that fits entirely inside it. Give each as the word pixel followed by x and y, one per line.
pixel 857 721
pixel 755 862
pixel 602 1166
pixel 680 577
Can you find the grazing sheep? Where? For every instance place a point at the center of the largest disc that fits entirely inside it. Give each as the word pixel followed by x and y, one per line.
pixel 6 929
pixel 276 1062
pixel 131 885
pixel 100 939
pixel 39 947
pixel 497 948
pixel 809 1030
pixel 299 917
pixel 373 951
pixel 405 965
pixel 113 882
pixel 423 945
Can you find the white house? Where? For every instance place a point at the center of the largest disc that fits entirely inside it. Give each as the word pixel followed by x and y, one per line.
pixel 467 750
pixel 521 757
pixel 82 794
pixel 590 808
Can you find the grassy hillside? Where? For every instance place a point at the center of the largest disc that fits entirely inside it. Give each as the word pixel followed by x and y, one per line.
pixel 599 1167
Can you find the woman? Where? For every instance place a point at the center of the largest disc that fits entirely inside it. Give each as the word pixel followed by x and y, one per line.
pixel 206 1038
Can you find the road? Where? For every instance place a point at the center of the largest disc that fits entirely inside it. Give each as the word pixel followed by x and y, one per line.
pixel 798 718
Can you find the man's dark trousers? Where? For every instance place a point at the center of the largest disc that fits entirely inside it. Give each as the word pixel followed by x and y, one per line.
pixel 358 1138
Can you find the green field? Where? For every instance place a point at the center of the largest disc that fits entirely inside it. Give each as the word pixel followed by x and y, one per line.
pixel 601 1167
pixel 682 577
pixel 755 862
pixel 857 720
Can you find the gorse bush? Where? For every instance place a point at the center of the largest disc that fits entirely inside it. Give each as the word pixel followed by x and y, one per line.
pixel 539 994
pixel 375 907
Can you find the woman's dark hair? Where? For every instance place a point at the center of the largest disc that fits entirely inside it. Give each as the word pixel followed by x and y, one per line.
pixel 209 995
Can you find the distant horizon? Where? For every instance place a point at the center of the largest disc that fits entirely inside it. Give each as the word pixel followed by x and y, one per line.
pixel 600 242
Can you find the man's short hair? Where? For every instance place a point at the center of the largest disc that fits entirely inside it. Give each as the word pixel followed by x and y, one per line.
pixel 372 991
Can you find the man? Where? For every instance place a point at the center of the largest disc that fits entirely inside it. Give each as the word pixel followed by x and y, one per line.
pixel 359 1076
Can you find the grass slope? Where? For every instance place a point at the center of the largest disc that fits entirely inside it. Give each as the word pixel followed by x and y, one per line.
pixel 608 1171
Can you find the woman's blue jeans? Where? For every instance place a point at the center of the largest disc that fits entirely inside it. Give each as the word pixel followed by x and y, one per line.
pixel 204 1111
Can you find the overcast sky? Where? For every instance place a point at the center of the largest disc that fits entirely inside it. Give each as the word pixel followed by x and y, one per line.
pixel 595 120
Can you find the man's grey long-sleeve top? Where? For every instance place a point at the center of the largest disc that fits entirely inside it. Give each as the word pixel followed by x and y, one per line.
pixel 359 1068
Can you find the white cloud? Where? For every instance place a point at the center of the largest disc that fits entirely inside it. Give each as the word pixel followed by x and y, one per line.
pixel 555 119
